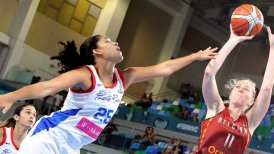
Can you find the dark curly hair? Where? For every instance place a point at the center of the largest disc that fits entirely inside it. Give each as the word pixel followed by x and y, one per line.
pixel 70 59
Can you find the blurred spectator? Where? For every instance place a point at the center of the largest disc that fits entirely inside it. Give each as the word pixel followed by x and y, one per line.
pixel 110 127
pixel 164 100
pixel 145 101
pixel 52 103
pixel 169 146
pixel 195 118
pixel 182 113
pixel 177 148
pixel 149 98
pixel 186 114
pixel 149 138
pixel 185 90
pixel 35 79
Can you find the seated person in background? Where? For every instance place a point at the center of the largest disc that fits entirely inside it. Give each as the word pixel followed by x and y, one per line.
pixel 145 101
pixel 180 112
pixel 195 118
pixel 169 146
pixel 110 127
pixel 149 138
pixel 177 148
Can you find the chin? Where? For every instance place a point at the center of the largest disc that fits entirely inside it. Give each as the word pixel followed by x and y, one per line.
pixel 120 60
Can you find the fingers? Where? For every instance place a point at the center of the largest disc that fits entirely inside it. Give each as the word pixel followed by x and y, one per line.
pixel 214 49
pixel 208 48
pixel 5 109
pixel 268 30
pixel 248 37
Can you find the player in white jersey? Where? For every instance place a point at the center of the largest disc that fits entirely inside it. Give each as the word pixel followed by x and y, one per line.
pixel 95 87
pixel 15 129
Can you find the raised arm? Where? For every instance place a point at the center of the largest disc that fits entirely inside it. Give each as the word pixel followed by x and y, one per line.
pixel 209 88
pixel 261 105
pixel 74 78
pixel 139 74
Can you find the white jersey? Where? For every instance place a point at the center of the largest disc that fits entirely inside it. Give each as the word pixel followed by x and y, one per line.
pixel 7 145
pixel 80 121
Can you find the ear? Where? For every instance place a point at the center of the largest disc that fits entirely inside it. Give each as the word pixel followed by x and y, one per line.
pixel 97 52
pixel 16 117
pixel 251 103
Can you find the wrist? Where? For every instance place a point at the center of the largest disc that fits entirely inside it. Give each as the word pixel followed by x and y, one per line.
pixel 233 41
pixel 11 97
pixel 194 56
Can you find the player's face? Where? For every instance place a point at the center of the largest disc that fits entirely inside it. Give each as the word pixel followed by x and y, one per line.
pixel 27 117
pixel 110 50
pixel 242 93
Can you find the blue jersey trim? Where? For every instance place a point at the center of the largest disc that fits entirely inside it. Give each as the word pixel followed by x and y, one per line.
pixel 54 120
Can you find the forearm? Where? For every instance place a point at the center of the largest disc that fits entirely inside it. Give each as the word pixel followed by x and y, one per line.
pixel 268 80
pixel 174 65
pixel 215 64
pixel 34 91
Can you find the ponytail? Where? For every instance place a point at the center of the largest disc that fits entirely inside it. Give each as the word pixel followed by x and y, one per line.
pixel 10 122
pixel 70 59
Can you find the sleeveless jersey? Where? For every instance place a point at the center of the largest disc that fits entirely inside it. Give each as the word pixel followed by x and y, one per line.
pixel 7 145
pixel 221 134
pixel 82 118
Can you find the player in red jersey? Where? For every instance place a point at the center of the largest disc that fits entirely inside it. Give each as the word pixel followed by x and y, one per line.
pixel 228 130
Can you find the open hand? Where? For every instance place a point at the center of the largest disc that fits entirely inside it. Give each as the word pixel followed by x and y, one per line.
pixel 237 38
pixel 206 54
pixel 5 103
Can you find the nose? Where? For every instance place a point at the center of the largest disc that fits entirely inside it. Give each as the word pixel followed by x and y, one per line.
pixel 115 43
pixel 241 90
pixel 32 117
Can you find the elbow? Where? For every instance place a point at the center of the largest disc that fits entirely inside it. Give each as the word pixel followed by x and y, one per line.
pixel 208 73
pixel 166 72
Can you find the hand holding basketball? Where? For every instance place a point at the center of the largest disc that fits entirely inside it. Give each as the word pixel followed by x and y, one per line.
pixel 239 39
pixel 247 20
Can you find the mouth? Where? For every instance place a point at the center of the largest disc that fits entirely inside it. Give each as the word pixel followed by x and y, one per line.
pixel 31 121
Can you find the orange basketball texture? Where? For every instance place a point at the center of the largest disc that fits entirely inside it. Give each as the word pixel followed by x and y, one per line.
pixel 247 20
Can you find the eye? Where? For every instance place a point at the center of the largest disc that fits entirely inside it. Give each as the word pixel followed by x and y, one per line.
pixel 108 40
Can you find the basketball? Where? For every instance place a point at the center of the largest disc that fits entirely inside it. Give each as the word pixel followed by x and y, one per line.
pixel 247 20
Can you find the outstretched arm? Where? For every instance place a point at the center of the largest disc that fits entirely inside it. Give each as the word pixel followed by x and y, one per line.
pixel 139 74
pixel 261 105
pixel 210 91
pixel 74 78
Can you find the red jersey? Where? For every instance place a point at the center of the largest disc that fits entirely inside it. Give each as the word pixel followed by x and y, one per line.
pixel 221 135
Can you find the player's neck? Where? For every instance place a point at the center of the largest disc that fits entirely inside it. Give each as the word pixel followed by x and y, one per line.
pixel 235 112
pixel 105 73
pixel 19 133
